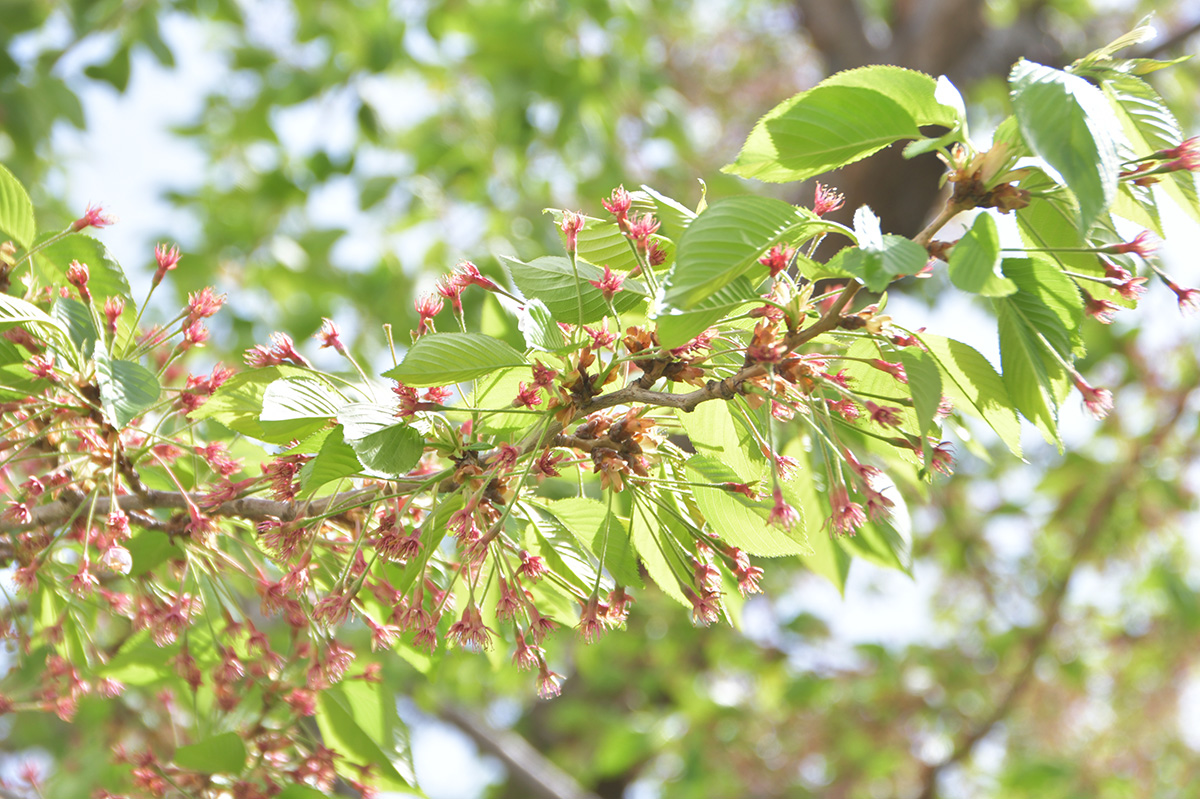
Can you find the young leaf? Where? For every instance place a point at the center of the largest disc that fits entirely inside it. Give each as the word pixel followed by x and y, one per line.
pixel 879 259
pixel 334 461
pixel 925 382
pixel 974 259
pixel 538 327
pixel 843 119
pixel 1030 374
pixel 127 389
pixel 297 407
pixel 78 319
pixel 971 383
pixel 358 720
pixel 676 327
pixel 16 210
pixel 737 519
pixel 655 534
pixel 1067 122
pixel 106 278
pixel 220 754
pixel 442 359
pixel 385 447
pixel 727 240
pixel 603 532
pixel 16 311
pixel 238 403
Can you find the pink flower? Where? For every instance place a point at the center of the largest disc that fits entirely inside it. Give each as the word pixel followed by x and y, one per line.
pixel 451 290
pixel 330 336
pixel 470 632
pixel 782 514
pixel 1189 299
pixel 1183 156
pixel 204 303
pixel 302 701
pixel 609 283
pixel 1143 245
pixel 592 619
pixel 826 199
pixel 532 567
pixel 77 276
pixel 1100 310
pixel 526 656
pixel 845 516
pixel 1098 401
pixel 92 217
pixel 42 367
pixel 777 258
pixel 572 223
pixel 549 683
pixel 747 576
pixel 113 308
pixel 468 274
pixel 618 204
pixel 896 369
pixel 884 415
pixel 167 260
pixel 641 229
pixel 527 396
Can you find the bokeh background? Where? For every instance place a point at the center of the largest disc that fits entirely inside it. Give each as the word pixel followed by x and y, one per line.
pixel 333 159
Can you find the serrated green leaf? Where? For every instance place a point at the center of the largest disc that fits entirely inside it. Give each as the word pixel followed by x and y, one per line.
pixel 844 119
pixel 880 258
pixel 220 754
pixel 238 403
pixel 655 535
pixel 1029 373
pixel 974 387
pixel 442 359
pixel 16 210
pixel 106 278
pixel 127 389
pixel 551 280
pixel 296 407
pixel 493 392
pixel 676 327
pixel 1067 122
pixel 726 241
pixel 737 519
pixel 1049 300
pixel 335 460
pixel 78 319
pixel 386 447
pixel 358 720
pixel 974 259
pixel 15 311
pixel 1151 126
pixel 601 242
pixel 925 383
pixel 718 433
pixel 604 533
pixel 538 327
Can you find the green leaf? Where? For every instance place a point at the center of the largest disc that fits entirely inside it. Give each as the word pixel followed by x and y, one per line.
pixel 655 534
pixel 879 259
pixel 15 311
pixel 16 210
pixel 297 791
pixel 238 403
pixel 78 319
pixel 974 259
pixel 538 327
pixel 334 461
pixel 551 280
pixel 826 558
pixel 974 386
pixel 673 215
pixel 220 754
pixel 1067 122
pixel 1151 126
pixel 603 532
pixel 843 119
pixel 358 720
pixel 385 447
pixel 127 389
pixel 106 278
pixel 925 383
pixel 676 327
pixel 721 435
pixel 496 391
pixel 441 359
pixel 296 407
pixel 727 240
pixel 1050 300
pixel 736 518
pixel 1029 373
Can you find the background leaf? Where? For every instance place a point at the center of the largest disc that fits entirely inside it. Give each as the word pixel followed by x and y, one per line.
pixel 16 210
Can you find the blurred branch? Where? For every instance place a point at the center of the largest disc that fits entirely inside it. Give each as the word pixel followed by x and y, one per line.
pixel 526 766
pixel 1053 597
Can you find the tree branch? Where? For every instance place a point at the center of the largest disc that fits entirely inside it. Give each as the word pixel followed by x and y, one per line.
pixel 528 767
